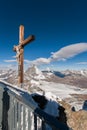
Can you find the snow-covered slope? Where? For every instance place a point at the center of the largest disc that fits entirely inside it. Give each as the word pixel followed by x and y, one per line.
pixel 9 75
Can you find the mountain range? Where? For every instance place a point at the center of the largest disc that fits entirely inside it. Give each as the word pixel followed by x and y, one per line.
pixel 70 77
pixel 70 85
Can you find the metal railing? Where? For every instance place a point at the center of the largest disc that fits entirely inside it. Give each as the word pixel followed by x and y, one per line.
pixel 18 111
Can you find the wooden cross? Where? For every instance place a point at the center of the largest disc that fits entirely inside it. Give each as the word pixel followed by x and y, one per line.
pixel 19 49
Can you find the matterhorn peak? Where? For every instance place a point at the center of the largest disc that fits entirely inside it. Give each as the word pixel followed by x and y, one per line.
pixel 35 72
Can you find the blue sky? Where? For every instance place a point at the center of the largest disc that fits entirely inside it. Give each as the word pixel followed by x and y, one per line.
pixel 56 24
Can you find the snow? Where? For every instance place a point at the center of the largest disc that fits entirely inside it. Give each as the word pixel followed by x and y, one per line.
pixel 50 108
pixel 75 72
pixel 50 96
pixel 4 78
pixel 39 77
pixel 34 83
pixel 84 73
pixel 60 90
pixel 49 74
pixel 37 70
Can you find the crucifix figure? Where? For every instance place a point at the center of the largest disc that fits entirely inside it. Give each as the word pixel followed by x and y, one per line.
pixel 19 49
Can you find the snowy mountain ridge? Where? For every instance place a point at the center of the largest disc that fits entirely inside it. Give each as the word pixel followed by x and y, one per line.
pixel 64 85
pixel 75 72
pixel 36 73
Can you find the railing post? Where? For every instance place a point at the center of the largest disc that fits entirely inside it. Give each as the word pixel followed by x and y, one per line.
pixel 1 104
pixel 5 109
pixel 43 125
pixel 29 119
pixel 11 114
pixel 35 122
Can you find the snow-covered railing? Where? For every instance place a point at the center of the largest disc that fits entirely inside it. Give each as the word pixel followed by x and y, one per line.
pixel 18 111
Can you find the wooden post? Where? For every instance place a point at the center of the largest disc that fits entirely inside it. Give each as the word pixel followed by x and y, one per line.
pixel 20 53
pixel 21 58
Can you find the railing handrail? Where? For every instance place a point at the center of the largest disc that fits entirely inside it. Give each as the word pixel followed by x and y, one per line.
pixel 20 94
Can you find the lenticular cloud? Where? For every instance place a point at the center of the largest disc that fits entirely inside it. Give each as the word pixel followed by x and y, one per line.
pixel 63 54
pixel 69 51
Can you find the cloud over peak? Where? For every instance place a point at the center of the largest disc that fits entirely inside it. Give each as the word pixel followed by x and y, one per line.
pixel 41 61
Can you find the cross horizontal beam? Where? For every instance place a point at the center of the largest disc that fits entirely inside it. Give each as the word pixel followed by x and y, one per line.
pixel 25 42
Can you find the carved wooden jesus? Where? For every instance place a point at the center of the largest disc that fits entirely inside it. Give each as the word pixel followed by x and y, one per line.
pixel 19 49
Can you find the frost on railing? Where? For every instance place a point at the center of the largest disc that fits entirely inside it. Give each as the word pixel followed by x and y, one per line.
pixel 18 111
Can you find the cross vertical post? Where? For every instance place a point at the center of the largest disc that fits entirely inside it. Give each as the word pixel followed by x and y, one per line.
pixel 19 49
pixel 21 57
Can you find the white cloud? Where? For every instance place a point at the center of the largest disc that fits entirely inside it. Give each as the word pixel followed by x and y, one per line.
pixel 82 63
pixel 9 61
pixel 41 61
pixel 13 56
pixel 27 61
pixel 62 54
pixel 69 51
